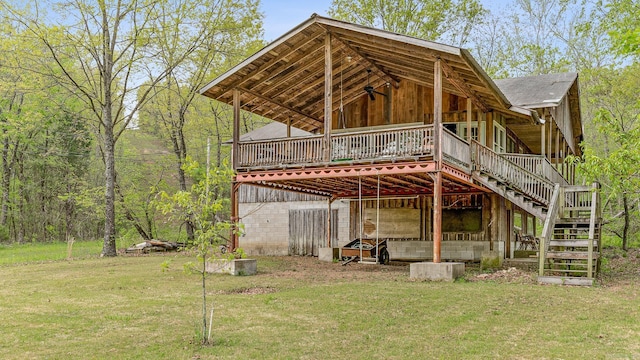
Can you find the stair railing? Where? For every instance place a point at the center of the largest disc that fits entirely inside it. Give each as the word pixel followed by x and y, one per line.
pixel 549 223
pixel 489 162
pixel 594 217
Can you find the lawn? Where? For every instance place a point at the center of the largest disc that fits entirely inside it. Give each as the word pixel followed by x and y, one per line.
pixel 299 308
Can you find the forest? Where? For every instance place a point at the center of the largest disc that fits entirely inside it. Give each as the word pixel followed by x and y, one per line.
pixel 104 134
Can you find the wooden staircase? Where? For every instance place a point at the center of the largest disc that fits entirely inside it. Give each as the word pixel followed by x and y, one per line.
pixel 570 246
pixel 569 250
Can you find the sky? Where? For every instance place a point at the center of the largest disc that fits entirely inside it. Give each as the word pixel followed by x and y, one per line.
pixel 280 16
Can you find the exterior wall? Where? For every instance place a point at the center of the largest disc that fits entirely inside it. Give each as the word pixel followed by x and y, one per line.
pixel 266 225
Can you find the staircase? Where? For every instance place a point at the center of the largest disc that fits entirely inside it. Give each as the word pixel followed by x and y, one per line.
pixel 570 247
pixel 569 250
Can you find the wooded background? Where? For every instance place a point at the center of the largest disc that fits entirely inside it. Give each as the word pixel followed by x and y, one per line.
pixel 100 111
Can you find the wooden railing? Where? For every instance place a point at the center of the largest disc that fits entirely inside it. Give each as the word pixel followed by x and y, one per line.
pixel 489 162
pixel 302 150
pixel 403 142
pixel 549 224
pixel 538 165
pixel 375 144
pixel 455 150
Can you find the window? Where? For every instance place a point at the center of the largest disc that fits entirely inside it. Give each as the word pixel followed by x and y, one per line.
pixel 499 138
pixel 475 135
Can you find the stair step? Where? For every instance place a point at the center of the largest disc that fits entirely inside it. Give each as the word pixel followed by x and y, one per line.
pixel 572 242
pixel 573 255
pixel 565 280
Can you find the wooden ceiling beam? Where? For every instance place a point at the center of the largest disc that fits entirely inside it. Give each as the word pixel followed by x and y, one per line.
pixel 460 84
pixel 318 122
pixel 375 68
pixel 270 63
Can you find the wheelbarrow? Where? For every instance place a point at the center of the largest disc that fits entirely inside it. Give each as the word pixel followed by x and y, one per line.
pixel 351 251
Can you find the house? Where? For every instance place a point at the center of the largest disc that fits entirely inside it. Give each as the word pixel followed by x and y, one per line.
pixel 410 141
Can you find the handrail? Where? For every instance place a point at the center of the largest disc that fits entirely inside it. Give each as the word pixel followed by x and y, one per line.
pixel 592 225
pixel 549 224
pixel 537 164
pixel 528 183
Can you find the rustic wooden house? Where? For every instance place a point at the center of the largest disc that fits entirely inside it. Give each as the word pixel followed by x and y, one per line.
pixel 409 141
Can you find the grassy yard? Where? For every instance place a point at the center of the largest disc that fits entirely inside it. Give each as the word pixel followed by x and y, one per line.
pixel 298 308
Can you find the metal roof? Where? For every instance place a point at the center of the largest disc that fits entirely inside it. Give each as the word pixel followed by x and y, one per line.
pixel 537 91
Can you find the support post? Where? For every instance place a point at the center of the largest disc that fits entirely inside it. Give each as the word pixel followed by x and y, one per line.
pixel 543 143
pixel 437 135
pixel 236 129
pixel 329 201
pixel 234 216
pixel 328 96
pixel 469 109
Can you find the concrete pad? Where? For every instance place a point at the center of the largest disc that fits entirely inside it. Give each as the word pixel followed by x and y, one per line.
pixel 328 254
pixel 446 271
pixel 244 267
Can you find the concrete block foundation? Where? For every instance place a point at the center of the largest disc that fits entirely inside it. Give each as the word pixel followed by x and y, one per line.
pixel 446 271
pixel 236 267
pixel 328 254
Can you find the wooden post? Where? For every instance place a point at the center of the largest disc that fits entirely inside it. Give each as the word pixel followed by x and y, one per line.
pixel 437 135
pixel 328 96
pixel 557 152
pixel 236 129
pixel 543 143
pixel 469 109
pixel 289 127
pixel 234 215
pixel 329 201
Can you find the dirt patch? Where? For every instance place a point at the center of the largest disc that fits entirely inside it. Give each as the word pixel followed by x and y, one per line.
pixel 619 268
pixel 510 275
pixel 306 267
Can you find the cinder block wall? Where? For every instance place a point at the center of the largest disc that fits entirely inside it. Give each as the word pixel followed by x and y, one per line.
pixel 450 250
pixel 266 225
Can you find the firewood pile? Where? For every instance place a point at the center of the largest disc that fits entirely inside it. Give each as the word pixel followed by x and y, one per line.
pixel 154 246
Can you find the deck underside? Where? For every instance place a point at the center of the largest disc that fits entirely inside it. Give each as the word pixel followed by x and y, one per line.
pixel 351 181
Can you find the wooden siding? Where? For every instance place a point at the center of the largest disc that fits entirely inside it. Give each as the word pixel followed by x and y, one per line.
pixel 259 194
pixel 308 231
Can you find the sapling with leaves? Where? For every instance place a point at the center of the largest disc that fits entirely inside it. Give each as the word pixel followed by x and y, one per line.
pixel 205 205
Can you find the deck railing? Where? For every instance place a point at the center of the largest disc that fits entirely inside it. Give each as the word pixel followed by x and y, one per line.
pixel 455 150
pixel 538 165
pixel 301 150
pixel 415 141
pixel 499 167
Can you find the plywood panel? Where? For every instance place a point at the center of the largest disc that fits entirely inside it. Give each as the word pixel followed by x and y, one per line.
pixel 308 230
pixel 395 223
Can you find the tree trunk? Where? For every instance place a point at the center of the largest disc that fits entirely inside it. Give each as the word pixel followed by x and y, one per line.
pixel 6 179
pixel 627 219
pixel 109 245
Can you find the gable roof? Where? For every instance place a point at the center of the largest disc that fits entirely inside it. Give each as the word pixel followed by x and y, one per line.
pixel 537 91
pixel 285 80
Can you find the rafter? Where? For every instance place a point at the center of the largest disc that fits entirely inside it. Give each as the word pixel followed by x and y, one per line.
pixel 456 80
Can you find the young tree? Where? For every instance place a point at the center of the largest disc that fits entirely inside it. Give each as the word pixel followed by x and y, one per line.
pixel 111 44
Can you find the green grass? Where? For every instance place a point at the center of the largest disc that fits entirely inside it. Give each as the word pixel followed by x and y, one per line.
pixel 127 307
pixel 39 252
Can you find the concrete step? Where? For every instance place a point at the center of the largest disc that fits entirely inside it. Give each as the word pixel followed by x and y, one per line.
pixel 565 280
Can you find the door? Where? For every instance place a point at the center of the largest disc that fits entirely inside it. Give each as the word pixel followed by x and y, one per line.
pixel 308 231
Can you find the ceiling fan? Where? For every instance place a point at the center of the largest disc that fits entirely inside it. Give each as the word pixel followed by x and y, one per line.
pixel 370 90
